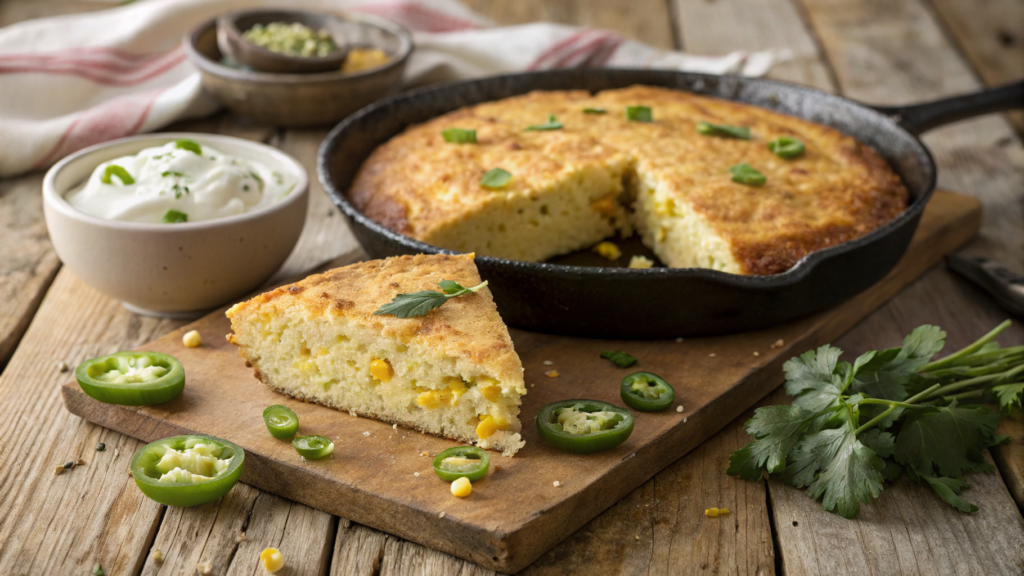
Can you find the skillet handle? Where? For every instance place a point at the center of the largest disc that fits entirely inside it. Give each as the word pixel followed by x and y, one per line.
pixel 918 118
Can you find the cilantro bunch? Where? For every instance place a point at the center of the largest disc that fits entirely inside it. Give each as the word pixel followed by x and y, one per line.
pixel 853 426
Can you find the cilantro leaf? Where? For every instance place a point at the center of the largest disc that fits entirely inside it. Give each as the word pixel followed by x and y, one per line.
pixel 852 475
pixel 811 370
pixel 419 303
pixel 776 430
pixel 1009 395
pixel 948 490
pixel 619 358
pixel 949 440
pixel 812 454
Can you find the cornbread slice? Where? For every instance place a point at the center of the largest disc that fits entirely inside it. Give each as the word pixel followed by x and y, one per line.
pixel 453 372
pixel 601 173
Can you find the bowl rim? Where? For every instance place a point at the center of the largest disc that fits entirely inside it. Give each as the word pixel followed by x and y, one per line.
pixel 56 200
pixel 206 65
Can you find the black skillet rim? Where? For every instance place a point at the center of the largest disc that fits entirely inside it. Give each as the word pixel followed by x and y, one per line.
pixel 794 275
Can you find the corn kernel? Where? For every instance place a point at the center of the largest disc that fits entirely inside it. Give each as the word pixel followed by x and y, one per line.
pixel 491 392
pixel 608 250
pixel 660 236
pixel 722 511
pixel 192 339
pixel 605 205
pixel 462 487
pixel 640 262
pixel 551 374
pixel 711 512
pixel 429 399
pixel 486 427
pixel 457 386
pixel 381 370
pixel 158 556
pixel 272 559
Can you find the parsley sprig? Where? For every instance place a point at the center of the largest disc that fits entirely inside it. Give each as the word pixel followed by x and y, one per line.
pixel 419 303
pixel 853 426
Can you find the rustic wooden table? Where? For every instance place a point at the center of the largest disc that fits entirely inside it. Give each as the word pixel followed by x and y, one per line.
pixel 877 51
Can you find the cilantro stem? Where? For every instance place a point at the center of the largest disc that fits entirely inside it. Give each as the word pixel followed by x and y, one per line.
pixel 968 394
pixel 892 406
pixel 952 358
pixel 1001 377
pixel 892 403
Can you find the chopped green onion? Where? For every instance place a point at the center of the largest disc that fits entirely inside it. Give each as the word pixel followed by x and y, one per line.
pixel 709 129
pixel 619 358
pixel 786 147
pixel 594 111
pixel 189 145
pixel 745 174
pixel 459 136
pixel 639 114
pixel 174 217
pixel 552 124
pixel 496 178
pixel 121 173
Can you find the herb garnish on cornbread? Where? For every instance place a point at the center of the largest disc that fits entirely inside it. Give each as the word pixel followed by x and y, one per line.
pixel 452 372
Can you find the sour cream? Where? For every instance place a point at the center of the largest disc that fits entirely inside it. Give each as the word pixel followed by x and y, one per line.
pixel 167 181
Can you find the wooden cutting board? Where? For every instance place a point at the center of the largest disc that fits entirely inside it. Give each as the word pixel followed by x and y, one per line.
pixel 381 476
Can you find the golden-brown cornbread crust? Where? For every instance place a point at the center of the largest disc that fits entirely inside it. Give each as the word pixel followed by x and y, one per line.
pixel 838 190
pixel 468 327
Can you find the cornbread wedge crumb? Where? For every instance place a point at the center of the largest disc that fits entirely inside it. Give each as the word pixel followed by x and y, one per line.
pixel 453 372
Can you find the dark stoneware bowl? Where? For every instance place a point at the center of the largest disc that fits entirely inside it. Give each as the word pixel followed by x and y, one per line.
pixel 599 301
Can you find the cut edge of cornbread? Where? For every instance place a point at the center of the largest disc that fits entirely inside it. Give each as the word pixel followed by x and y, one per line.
pixel 452 373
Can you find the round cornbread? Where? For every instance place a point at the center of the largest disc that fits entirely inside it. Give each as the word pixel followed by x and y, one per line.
pixel 601 174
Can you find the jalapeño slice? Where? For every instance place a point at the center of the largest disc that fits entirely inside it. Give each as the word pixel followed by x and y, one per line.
pixel 132 378
pixel 584 426
pixel 281 421
pixel 647 392
pixel 187 470
pixel 313 447
pixel 462 461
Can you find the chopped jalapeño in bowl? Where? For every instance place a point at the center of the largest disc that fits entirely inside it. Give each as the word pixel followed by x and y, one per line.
pixel 647 392
pixel 132 378
pixel 584 426
pixel 462 462
pixel 313 447
pixel 281 421
pixel 187 470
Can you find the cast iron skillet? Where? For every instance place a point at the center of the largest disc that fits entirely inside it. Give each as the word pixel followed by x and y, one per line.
pixel 612 302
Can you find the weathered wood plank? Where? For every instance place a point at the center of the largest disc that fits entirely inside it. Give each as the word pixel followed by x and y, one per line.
pixel 991 36
pixel 88 515
pixel 647 20
pixel 725 25
pixel 358 550
pixel 13 11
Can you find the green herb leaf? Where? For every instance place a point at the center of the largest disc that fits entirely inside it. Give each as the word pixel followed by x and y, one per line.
pixel 551 124
pixel 97 570
pixel 594 111
pixel 190 145
pixel 946 440
pixel 1009 396
pixel 948 490
pixel 811 370
pixel 419 303
pixel 745 174
pixel 174 217
pixel 776 430
pixel 639 114
pixel 496 178
pixel 709 129
pixel 786 147
pixel 852 475
pixel 459 136
pixel 171 174
pixel 121 173
pixel 619 358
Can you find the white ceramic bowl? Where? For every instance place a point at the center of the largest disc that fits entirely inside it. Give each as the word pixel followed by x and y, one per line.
pixel 174 269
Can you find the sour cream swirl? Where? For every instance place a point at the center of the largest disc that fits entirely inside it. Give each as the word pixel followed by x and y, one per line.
pixel 174 179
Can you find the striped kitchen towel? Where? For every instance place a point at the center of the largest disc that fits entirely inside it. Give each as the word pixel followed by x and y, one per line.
pixel 72 81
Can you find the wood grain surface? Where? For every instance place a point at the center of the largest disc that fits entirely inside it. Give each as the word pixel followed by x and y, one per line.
pixel 64 524
pixel 381 476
